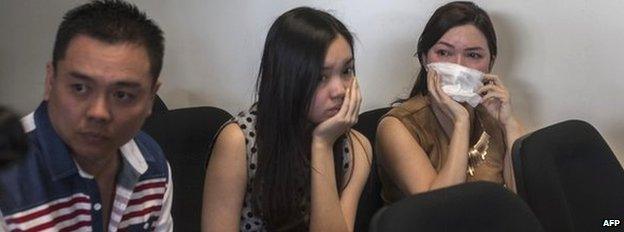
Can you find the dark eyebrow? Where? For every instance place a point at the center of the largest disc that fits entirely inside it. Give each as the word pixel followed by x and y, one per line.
pixel 80 76
pixel 348 62
pixel 85 77
pixel 467 49
pixel 474 49
pixel 446 44
pixel 127 84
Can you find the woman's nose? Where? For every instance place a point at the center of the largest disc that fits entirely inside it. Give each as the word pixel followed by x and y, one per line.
pixel 458 60
pixel 339 86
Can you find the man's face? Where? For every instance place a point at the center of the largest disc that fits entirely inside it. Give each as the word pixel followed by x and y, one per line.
pixel 99 95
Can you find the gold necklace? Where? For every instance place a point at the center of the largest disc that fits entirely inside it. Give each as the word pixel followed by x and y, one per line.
pixel 478 152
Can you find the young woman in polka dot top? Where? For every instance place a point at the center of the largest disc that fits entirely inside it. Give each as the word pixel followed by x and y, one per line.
pixel 292 162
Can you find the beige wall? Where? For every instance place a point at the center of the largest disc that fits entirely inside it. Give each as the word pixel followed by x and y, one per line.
pixel 560 59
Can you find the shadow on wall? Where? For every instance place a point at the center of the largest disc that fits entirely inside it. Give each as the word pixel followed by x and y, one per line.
pixel 509 44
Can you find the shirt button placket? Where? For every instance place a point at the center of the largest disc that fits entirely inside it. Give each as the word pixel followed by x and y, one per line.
pixel 97 206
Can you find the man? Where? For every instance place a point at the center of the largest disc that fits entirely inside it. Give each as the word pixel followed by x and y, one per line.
pixel 88 167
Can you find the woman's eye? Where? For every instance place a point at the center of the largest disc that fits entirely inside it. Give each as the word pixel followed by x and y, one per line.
pixel 324 78
pixel 475 55
pixel 443 52
pixel 349 71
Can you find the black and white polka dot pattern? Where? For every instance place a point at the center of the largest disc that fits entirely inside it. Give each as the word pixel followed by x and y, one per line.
pixel 247 122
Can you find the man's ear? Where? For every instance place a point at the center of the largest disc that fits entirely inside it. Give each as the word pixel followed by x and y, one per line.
pixel 155 88
pixel 153 95
pixel 49 80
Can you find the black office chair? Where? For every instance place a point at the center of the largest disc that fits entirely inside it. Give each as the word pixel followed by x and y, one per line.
pixel 473 206
pixel 159 106
pixel 370 201
pixel 569 177
pixel 13 140
pixel 186 137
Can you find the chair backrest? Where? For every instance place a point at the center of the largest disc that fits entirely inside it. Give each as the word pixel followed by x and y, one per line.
pixel 13 140
pixel 569 177
pixel 159 106
pixel 473 206
pixel 370 200
pixel 186 137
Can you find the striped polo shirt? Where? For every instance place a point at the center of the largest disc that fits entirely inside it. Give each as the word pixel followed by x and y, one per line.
pixel 47 191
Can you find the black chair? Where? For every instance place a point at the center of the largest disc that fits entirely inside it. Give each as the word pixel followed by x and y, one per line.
pixel 370 201
pixel 13 140
pixel 569 177
pixel 159 106
pixel 186 137
pixel 473 206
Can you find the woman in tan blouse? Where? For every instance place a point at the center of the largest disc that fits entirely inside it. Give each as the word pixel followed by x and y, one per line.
pixel 430 141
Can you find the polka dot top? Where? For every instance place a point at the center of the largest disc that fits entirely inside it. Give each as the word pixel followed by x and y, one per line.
pixel 247 122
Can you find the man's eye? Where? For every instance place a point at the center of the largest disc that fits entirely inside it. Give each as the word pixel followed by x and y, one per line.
pixel 123 96
pixel 79 88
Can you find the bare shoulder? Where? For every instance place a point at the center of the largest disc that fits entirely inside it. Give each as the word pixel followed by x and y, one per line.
pixel 228 161
pixel 225 181
pixel 361 145
pixel 230 136
pixel 388 125
pixel 394 138
pixel 229 158
pixel 391 130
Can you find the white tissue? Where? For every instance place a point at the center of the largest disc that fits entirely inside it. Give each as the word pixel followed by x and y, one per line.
pixel 459 82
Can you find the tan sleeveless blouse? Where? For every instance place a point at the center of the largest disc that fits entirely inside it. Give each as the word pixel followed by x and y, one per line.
pixel 418 117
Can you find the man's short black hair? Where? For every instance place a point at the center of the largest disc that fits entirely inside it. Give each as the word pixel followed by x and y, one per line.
pixel 111 21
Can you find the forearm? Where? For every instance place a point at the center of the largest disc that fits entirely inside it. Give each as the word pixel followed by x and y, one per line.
pixel 453 171
pixel 326 212
pixel 513 130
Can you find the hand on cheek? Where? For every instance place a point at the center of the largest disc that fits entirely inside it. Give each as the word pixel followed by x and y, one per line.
pixel 442 101
pixel 496 98
pixel 328 131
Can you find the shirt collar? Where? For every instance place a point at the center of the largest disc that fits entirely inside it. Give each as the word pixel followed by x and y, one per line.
pixel 56 154
pixel 54 151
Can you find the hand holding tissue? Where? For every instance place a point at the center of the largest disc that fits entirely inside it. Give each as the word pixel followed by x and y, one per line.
pixel 459 82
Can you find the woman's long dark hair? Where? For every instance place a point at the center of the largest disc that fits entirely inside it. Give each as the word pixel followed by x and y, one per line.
pixel 290 71
pixel 443 19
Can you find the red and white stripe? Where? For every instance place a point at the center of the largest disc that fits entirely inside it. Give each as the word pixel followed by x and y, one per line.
pixel 71 213
pixel 146 201
pixel 119 205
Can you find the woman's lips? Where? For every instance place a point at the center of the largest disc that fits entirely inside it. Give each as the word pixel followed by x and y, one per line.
pixel 333 110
